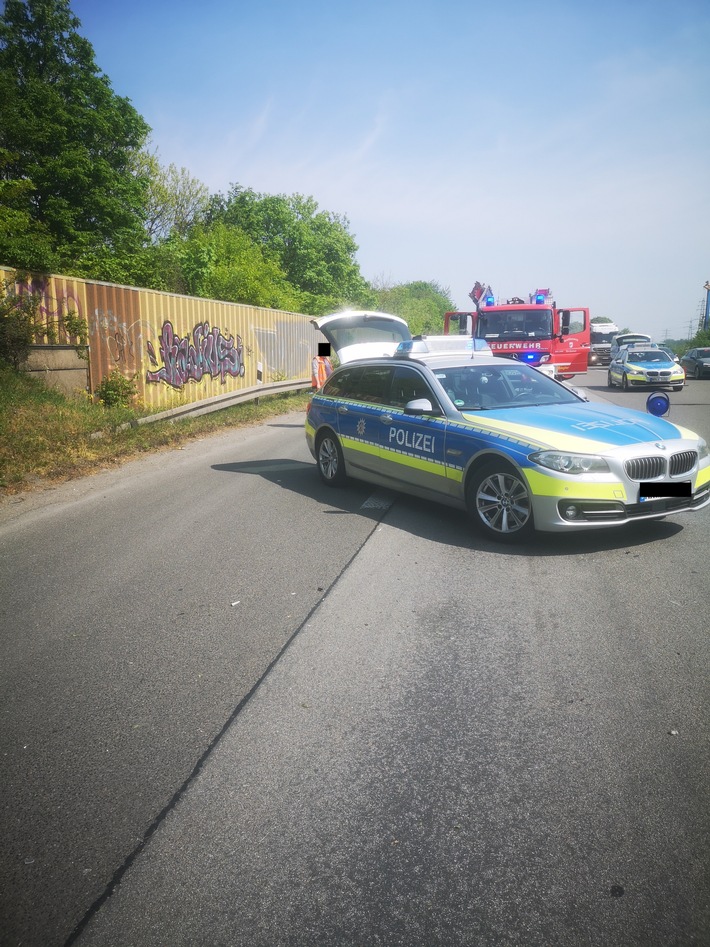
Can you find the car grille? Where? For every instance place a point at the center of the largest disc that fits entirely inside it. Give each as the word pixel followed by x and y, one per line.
pixel 683 462
pixel 654 375
pixel 645 468
pixel 650 468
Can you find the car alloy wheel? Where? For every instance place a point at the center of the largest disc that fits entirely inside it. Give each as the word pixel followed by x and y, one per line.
pixel 499 502
pixel 331 465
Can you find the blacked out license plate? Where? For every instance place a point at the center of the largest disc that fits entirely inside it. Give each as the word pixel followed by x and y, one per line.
pixel 657 491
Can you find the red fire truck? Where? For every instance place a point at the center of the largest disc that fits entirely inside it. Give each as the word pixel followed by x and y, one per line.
pixel 536 331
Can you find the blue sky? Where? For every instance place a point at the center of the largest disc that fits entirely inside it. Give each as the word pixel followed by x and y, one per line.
pixel 550 144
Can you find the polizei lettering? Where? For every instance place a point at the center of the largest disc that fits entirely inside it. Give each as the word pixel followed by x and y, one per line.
pixel 412 439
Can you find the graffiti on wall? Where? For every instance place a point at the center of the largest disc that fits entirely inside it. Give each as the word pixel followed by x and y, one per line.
pixel 208 351
pixel 117 335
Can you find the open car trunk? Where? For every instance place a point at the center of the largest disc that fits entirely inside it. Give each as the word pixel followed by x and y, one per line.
pixel 362 334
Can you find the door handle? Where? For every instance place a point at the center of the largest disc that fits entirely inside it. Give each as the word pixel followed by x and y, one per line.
pixel 386 418
pixel 342 409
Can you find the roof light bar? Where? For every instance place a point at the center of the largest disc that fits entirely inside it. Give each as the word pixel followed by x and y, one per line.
pixel 443 345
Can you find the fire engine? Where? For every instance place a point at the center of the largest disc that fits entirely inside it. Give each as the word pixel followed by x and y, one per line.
pixel 536 331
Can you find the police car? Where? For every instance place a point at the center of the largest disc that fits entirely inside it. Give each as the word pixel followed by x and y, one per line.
pixel 447 421
pixel 644 366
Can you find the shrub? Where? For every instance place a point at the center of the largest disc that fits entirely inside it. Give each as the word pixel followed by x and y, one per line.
pixel 20 324
pixel 78 328
pixel 115 389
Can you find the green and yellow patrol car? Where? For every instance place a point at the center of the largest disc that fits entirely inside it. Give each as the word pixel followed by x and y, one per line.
pixel 447 421
pixel 644 366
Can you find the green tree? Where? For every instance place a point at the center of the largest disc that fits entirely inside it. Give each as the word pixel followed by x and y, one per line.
pixel 68 144
pixel 175 201
pixel 421 304
pixel 701 339
pixel 21 237
pixel 221 262
pixel 314 248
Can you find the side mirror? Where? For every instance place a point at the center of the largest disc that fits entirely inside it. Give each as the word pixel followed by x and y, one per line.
pixel 418 407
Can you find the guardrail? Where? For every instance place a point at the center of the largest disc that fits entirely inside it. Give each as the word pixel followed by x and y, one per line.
pixel 218 403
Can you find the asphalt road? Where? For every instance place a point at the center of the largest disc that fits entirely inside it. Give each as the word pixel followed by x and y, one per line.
pixel 239 708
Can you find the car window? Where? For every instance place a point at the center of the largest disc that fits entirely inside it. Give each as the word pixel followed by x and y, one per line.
pixel 408 385
pixel 374 385
pixel 343 383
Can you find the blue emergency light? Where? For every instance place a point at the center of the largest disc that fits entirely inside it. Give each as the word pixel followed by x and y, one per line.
pixel 532 357
pixel 540 299
pixel 490 300
pixel 658 404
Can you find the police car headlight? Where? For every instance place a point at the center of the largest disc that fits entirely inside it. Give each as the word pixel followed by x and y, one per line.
pixel 703 451
pixel 570 463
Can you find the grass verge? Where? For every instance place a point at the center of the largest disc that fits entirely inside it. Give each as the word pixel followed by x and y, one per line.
pixel 46 437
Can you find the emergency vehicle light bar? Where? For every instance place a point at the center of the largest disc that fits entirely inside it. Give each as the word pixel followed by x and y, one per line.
pixel 443 345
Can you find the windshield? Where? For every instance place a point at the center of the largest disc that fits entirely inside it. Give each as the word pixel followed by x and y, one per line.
pixel 652 355
pixel 599 337
pixel 487 387
pixel 703 353
pixel 518 324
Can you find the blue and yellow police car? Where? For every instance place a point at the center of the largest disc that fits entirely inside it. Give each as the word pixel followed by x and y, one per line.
pixel 446 421
pixel 645 366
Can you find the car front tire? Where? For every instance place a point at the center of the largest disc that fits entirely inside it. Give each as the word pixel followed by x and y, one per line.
pixel 609 382
pixel 499 503
pixel 329 457
pixel 625 383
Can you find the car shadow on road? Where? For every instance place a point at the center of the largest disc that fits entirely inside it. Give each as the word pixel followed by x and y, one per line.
pixel 437 522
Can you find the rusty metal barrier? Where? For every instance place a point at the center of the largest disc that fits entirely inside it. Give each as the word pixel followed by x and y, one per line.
pixel 180 350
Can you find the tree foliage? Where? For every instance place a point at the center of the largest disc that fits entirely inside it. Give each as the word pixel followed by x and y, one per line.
pixel 175 200
pixel 314 249
pixel 67 143
pixel 221 262
pixel 421 304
